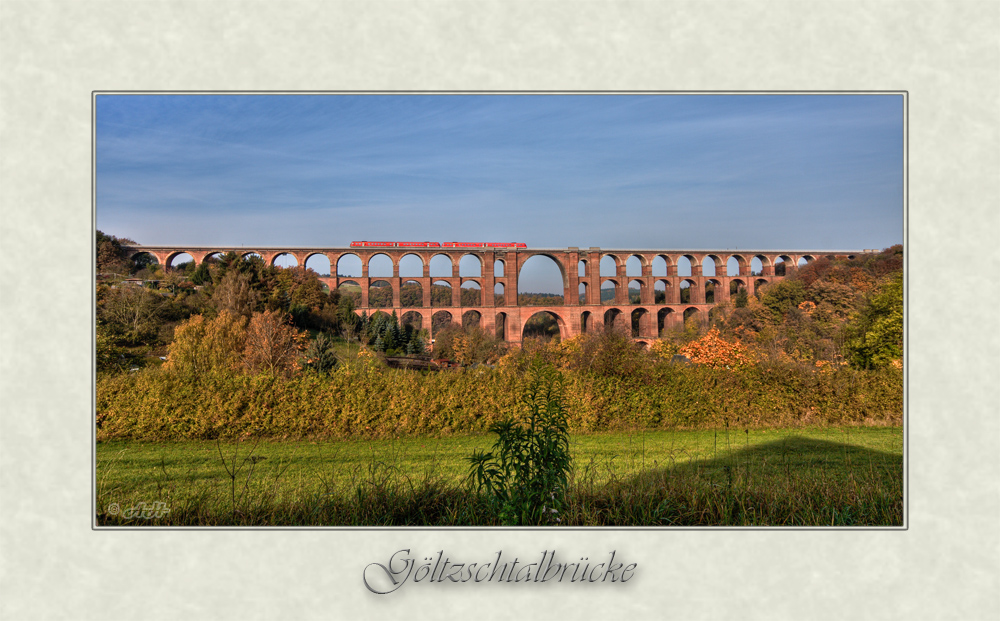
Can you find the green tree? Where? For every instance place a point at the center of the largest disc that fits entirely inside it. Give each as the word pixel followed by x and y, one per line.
pixel 202 275
pixel 320 355
pixel 782 296
pixel 876 336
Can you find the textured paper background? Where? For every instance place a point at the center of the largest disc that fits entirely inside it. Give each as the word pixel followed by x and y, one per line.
pixel 54 54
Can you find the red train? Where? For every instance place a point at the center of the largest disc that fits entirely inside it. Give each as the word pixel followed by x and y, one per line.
pixel 373 244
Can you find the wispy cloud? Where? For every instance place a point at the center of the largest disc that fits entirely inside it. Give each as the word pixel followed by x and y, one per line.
pixel 641 171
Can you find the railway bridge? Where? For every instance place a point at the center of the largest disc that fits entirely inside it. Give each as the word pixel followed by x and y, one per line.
pixel 657 279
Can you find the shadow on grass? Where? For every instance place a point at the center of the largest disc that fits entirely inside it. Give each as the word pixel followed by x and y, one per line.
pixel 794 481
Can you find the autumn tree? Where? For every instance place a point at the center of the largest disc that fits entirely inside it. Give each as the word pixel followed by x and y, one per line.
pixel 202 345
pixel 272 344
pixel 130 312
pixel 235 294
pixel 714 351
pixel 111 256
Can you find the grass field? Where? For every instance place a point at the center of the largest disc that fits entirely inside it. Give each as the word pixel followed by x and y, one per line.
pixel 818 476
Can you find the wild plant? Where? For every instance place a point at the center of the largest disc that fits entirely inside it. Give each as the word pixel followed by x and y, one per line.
pixel 527 472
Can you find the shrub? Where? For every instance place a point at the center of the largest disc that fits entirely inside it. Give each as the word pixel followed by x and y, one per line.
pixel 527 471
pixel 610 352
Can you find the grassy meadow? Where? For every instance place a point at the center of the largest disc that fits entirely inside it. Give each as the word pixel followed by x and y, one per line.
pixel 806 476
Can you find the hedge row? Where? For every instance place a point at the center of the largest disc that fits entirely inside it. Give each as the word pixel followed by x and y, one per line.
pixel 373 401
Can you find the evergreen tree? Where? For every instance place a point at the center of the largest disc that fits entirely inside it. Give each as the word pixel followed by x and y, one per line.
pixel 202 275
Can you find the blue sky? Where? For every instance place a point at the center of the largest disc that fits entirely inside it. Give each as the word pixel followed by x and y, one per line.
pixel 616 171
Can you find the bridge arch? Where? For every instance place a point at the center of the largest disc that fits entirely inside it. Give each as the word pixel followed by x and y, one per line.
pixel 380 265
pixel 610 284
pixel 412 318
pixel 640 322
pixel 380 294
pixel 560 322
pixel 662 291
pixel 441 266
pixel 279 255
pixel 411 294
pixel 411 265
pixel 635 265
pixel 687 291
pixel 713 290
pixel 141 260
pixel 523 261
pixel 665 318
pixel 639 285
pixel 176 256
pixel 471 292
pixel 500 326
pixel 470 266
pixel 610 265
pixel 441 320
pixel 442 294
pixel 212 256
pixel 712 265
pixel 471 319
pixel 736 265
pixel 781 264
pixel 351 289
pixel 660 265
pixel 613 318
pixel 685 265
pixel 318 262
pixel 348 265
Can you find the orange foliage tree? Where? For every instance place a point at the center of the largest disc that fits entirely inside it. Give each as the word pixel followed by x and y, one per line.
pixel 714 351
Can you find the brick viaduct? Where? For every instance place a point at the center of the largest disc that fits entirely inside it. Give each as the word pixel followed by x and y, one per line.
pixel 503 266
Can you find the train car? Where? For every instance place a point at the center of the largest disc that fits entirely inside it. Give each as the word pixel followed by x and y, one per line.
pixel 370 244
